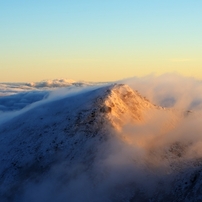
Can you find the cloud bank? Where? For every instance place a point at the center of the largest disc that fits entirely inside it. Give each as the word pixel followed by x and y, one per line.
pixel 20 100
pixel 170 90
pixel 13 88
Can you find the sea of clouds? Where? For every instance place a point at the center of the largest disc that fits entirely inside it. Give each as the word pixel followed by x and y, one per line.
pixel 167 90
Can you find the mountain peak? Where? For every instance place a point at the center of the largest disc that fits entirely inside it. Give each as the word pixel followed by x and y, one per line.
pixel 121 104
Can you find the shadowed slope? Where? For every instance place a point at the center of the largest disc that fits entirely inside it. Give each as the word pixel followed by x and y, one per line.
pixel 32 142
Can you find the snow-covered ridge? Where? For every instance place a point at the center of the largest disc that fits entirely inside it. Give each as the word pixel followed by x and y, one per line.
pixel 82 142
pixel 30 142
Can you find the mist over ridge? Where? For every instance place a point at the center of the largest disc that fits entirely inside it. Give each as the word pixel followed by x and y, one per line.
pixel 137 140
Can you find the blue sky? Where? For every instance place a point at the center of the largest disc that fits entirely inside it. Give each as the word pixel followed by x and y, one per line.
pixel 99 40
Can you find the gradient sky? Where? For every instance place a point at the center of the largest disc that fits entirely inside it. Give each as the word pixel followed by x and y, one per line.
pixel 99 40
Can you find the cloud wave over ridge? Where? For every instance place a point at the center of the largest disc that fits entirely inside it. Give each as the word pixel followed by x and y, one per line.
pixel 159 160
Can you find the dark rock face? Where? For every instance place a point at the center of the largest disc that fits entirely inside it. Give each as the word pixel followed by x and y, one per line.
pixel 106 109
